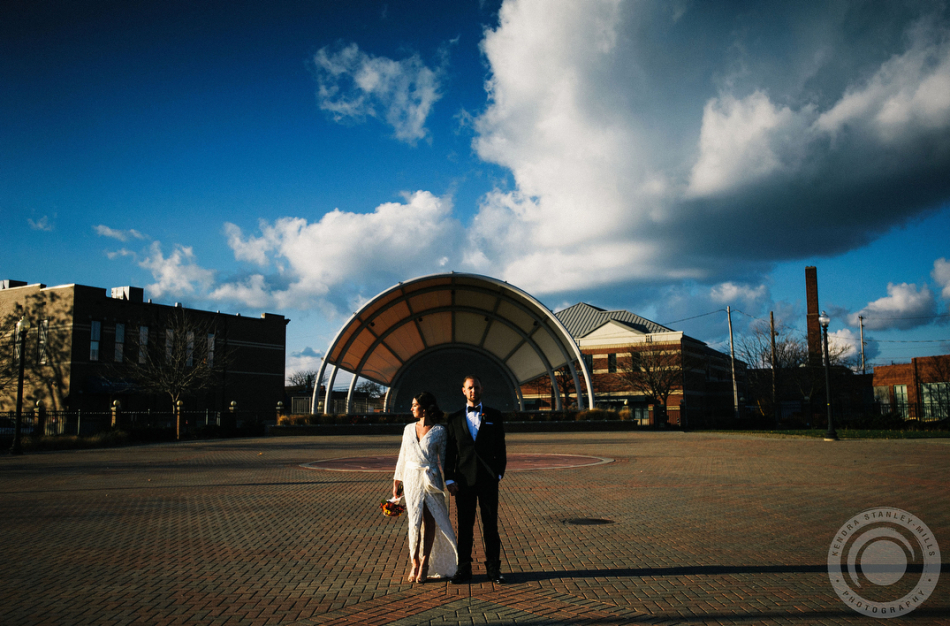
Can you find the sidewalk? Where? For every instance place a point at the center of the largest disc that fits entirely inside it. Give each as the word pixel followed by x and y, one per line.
pixel 680 528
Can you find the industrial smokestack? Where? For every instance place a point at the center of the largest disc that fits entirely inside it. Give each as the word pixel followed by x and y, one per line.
pixel 814 328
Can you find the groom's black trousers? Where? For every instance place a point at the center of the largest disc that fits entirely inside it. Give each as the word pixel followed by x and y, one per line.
pixel 485 494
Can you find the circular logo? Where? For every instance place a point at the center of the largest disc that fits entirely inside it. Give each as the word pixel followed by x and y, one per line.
pixel 884 562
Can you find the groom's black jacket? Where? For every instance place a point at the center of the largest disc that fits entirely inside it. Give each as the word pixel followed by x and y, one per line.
pixel 462 462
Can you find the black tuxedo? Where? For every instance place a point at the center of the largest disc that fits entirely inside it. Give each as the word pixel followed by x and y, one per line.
pixel 476 466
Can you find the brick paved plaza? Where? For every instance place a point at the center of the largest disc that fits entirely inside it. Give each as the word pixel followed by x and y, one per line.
pixel 704 528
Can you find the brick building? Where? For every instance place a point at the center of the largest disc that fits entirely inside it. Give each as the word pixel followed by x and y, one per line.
pixel 916 390
pixel 79 335
pixel 696 377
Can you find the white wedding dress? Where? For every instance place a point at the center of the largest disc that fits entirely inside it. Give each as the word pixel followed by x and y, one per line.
pixel 420 470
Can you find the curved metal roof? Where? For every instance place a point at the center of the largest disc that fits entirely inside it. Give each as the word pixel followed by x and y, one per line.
pixel 465 310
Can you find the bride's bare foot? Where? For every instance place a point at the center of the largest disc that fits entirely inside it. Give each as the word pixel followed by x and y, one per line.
pixel 414 572
pixel 423 571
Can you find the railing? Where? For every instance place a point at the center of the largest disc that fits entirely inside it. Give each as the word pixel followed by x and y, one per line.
pixel 51 423
pixel 89 423
pixel 339 406
pixel 844 412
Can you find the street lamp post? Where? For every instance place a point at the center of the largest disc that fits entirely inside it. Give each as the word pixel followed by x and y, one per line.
pixel 824 320
pixel 22 327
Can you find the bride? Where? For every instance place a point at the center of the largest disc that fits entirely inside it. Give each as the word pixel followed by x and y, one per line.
pixel 432 545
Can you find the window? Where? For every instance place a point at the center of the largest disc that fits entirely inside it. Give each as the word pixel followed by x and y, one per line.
pixel 882 397
pixel 95 332
pixel 936 399
pixel 210 349
pixel 143 343
pixel 635 360
pixel 589 362
pixel 900 399
pixel 119 342
pixel 42 342
pixel 612 363
pixel 190 349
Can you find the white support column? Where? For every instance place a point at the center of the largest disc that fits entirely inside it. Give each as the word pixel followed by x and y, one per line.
pixel 349 395
pixel 315 397
pixel 329 397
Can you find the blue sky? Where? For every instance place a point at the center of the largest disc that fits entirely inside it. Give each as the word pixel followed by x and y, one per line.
pixel 669 158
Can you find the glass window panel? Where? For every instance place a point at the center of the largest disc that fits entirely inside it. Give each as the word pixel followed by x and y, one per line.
pixel 143 343
pixel 94 333
pixel 119 342
pixel 190 349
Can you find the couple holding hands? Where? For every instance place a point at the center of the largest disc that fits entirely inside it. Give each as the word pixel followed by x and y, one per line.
pixel 464 457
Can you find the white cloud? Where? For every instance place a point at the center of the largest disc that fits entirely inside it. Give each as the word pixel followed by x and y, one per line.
pixel 122 235
pixel 941 275
pixel 253 250
pixel 739 142
pixel 910 93
pixel 734 294
pixel 43 224
pixel 178 274
pixel 252 292
pixel 849 344
pixel 639 158
pixel 118 254
pixel 306 359
pixel 905 306
pixel 345 256
pixel 354 85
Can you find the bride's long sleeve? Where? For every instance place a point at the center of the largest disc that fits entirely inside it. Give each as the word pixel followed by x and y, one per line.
pixel 401 463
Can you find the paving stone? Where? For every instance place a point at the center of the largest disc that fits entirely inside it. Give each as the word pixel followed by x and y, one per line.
pixel 707 529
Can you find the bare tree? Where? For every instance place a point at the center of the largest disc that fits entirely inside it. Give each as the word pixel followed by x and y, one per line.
pixel 47 354
pixel 305 380
pixel 373 390
pixel 791 353
pixel 565 386
pixel 793 374
pixel 179 358
pixel 8 362
pixel 653 369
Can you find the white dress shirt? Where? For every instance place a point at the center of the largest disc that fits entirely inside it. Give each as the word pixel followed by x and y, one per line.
pixel 473 416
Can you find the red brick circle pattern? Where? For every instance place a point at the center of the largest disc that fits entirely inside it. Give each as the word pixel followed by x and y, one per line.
pixel 516 463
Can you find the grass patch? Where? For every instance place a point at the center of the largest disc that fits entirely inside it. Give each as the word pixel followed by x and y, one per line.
pixel 106 439
pixel 115 438
pixel 843 433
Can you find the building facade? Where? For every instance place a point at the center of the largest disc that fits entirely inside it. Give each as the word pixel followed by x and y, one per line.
pixel 656 373
pixel 916 390
pixel 83 343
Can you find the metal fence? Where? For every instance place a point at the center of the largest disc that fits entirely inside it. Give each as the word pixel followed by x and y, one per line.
pixel 89 423
pixel 844 412
pixel 52 423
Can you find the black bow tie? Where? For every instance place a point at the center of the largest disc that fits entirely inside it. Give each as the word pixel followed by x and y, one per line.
pixel 473 409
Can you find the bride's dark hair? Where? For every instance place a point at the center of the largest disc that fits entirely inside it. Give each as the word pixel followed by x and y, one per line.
pixel 428 404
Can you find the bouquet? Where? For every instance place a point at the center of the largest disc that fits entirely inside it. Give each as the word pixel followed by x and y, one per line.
pixel 392 507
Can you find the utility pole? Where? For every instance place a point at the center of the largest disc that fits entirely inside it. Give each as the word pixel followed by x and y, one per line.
pixel 861 322
pixel 732 359
pixel 775 409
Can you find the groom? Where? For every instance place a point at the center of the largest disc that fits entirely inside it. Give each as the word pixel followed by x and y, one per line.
pixel 475 462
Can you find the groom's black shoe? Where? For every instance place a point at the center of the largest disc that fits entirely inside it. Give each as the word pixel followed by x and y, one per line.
pixel 462 575
pixel 494 574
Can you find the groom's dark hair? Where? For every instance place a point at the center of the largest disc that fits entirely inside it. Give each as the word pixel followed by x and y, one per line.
pixel 471 377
